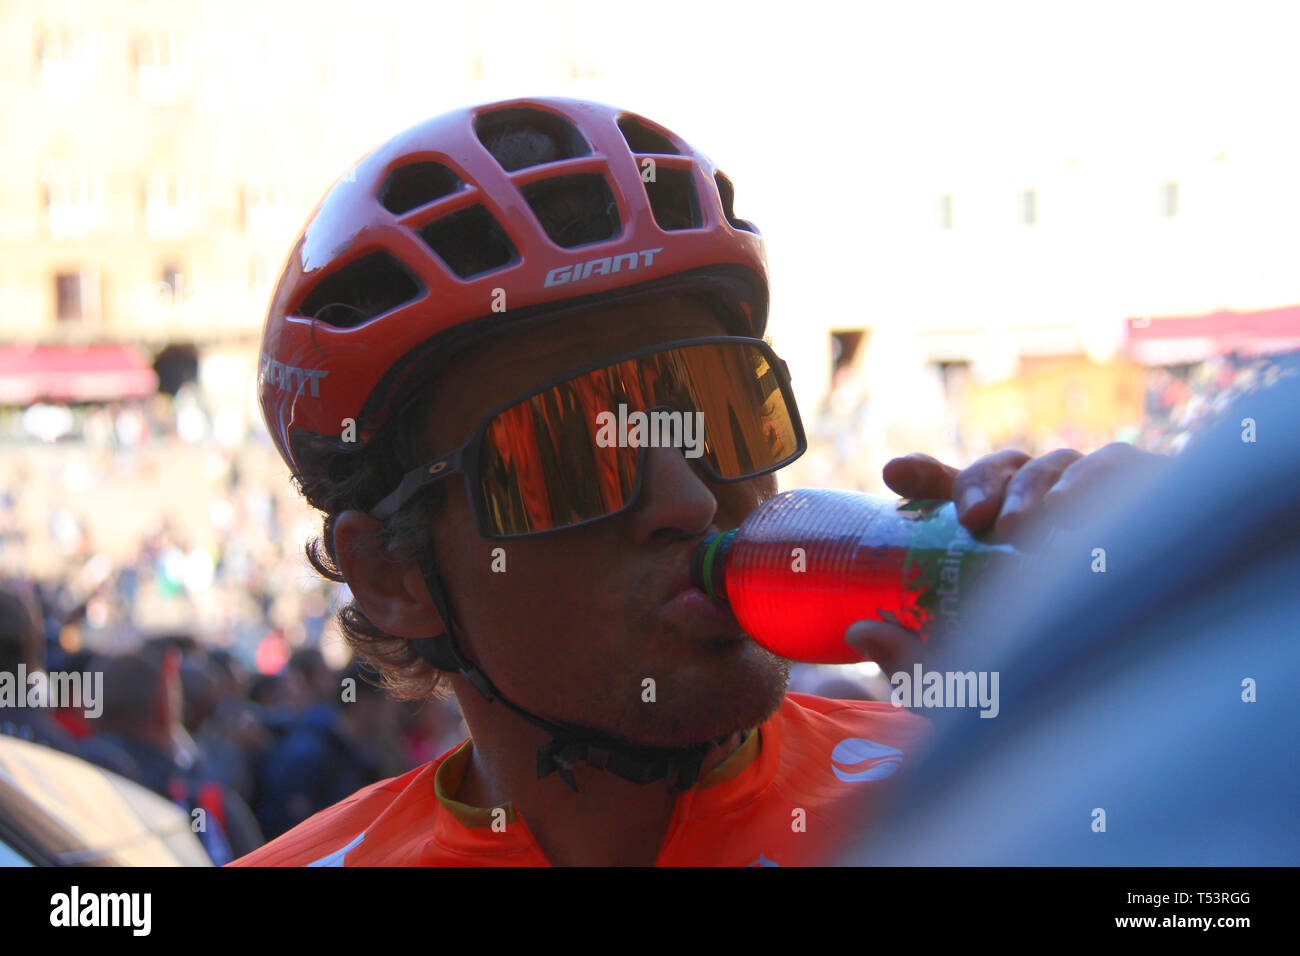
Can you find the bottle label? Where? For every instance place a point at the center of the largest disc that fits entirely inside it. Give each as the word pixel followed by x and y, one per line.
pixel 943 560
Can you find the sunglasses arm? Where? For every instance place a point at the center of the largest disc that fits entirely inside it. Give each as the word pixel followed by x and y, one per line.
pixel 416 479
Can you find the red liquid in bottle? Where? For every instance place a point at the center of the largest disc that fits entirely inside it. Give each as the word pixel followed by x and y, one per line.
pixel 809 562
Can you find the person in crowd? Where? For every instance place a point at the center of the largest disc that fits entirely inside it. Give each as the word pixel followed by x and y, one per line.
pixel 232 737
pixel 22 651
pixel 142 716
pixel 340 744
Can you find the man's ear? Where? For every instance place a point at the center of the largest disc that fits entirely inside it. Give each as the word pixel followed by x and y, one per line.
pixel 391 592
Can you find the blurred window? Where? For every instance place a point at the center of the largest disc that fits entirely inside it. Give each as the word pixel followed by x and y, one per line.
pixel 171 275
pixel 268 210
pixel 62 53
pixel 163 70
pixel 73 204
pixel 169 206
pixel 1027 207
pixel 956 378
pixel 170 290
pixel 1168 200
pixel 943 211
pixel 67 292
pixel 844 345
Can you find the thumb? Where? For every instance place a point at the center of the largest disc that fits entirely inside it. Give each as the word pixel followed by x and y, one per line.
pixel 886 644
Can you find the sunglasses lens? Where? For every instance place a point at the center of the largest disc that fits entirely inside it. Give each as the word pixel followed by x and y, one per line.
pixel 546 462
pixel 748 428
pixel 540 467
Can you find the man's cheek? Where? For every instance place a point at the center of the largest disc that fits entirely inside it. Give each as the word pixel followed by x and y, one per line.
pixel 511 582
pixel 735 502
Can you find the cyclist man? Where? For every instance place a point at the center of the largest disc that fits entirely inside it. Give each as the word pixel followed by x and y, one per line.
pixel 455 315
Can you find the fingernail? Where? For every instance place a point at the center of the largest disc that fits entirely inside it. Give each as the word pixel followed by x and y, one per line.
pixel 971 497
pixel 1014 504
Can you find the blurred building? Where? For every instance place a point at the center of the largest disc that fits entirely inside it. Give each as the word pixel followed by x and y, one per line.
pixel 135 208
pixel 1034 286
pixel 1007 214
pixel 969 213
pixel 159 157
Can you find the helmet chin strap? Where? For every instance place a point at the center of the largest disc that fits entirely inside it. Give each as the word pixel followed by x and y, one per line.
pixel 679 768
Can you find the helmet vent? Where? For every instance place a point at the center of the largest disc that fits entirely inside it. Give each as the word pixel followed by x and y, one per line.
pixel 519 138
pixel 417 184
pixel 673 199
pixel 359 291
pixel 470 241
pixel 574 210
pixel 642 139
pixel 728 194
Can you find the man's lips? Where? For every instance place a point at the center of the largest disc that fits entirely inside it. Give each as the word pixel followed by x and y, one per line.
pixel 694 613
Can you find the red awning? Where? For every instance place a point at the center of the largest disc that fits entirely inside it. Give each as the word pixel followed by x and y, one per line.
pixel 1183 339
pixel 65 373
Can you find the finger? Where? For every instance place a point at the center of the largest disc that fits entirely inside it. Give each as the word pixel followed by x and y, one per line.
pixel 1089 475
pixel 1023 498
pixel 979 489
pixel 920 476
pixel 886 644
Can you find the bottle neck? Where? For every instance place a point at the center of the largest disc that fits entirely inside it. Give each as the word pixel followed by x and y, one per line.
pixel 709 564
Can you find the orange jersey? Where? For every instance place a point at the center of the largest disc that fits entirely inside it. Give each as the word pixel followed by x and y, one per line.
pixel 801 786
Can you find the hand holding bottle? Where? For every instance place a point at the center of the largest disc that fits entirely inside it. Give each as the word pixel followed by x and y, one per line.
pixel 1008 493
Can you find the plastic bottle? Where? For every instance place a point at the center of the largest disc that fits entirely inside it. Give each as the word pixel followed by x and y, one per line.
pixel 809 562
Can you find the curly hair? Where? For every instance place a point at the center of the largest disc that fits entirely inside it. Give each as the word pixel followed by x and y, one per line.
pixel 334 481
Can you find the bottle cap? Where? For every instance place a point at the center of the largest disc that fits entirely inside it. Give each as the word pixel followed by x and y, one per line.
pixel 709 563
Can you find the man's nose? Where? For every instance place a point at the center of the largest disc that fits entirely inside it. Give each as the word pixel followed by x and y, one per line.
pixel 674 503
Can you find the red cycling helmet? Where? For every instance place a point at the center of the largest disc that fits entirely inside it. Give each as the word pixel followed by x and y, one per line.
pixel 430 241
pixel 448 233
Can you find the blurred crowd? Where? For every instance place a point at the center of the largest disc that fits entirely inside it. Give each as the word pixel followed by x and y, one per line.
pixel 1180 401
pixel 164 532
pixel 155 545
pixel 162 545
pixel 256 753
pixel 861 424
